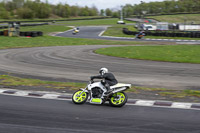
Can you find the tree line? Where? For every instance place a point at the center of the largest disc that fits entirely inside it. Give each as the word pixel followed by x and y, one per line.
pixel 165 7
pixel 28 9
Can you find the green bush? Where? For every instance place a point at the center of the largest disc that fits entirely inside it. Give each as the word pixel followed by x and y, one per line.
pixel 25 13
pixel 4 14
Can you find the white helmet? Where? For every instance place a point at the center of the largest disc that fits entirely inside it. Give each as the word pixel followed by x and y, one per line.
pixel 103 70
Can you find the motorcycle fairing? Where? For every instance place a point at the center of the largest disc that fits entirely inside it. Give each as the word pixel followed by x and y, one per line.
pixel 119 85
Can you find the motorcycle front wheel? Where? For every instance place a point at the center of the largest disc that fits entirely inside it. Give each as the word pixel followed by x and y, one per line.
pixel 79 97
pixel 118 99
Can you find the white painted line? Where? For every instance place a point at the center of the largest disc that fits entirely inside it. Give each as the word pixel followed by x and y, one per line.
pixel 181 105
pixel 50 96
pixel 21 93
pixel 101 33
pixel 145 103
pixel 2 90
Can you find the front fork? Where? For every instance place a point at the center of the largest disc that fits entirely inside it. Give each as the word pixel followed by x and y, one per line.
pixel 83 90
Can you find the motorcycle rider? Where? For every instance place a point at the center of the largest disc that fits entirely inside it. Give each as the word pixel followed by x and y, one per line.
pixel 75 30
pixel 140 34
pixel 108 79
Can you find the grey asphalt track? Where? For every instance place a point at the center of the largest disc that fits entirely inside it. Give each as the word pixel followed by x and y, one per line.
pixel 95 32
pixel 79 63
pixel 29 115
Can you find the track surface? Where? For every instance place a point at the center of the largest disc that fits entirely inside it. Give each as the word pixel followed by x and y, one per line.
pixel 29 115
pixel 79 63
pixel 95 32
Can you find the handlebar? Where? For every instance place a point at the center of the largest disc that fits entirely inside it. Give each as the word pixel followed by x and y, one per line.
pixel 91 81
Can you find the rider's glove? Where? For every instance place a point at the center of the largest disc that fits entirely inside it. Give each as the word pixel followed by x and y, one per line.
pixel 91 78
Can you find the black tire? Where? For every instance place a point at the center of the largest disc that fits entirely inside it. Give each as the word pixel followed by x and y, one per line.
pixel 39 33
pixel 34 34
pixel 28 33
pixel 120 102
pixel 79 100
pixel 1 33
pixel 22 33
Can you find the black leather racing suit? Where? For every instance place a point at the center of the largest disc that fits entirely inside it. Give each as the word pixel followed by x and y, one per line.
pixel 110 79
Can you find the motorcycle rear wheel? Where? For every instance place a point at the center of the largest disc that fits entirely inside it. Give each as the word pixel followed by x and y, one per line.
pixel 118 99
pixel 79 98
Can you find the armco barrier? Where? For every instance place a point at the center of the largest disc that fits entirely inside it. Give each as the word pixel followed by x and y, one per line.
pixel 191 34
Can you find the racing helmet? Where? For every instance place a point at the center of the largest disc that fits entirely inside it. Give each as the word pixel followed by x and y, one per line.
pixel 103 70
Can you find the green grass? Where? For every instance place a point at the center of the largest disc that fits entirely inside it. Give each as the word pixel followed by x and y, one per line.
pixel 13 81
pixel 46 28
pixel 7 80
pixel 180 18
pixel 46 40
pixel 192 93
pixel 181 93
pixel 170 53
pixel 95 22
pixel 164 37
pixel 116 30
pixel 36 19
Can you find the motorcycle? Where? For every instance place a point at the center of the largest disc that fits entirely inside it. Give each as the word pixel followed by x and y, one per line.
pixel 75 31
pixel 140 35
pixel 95 93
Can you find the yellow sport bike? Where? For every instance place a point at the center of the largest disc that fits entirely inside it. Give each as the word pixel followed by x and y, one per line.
pixel 94 92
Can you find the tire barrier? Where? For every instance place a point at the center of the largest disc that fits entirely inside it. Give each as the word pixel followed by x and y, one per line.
pixel 3 27
pixel 24 33
pixel 1 33
pixel 191 34
pixel 31 33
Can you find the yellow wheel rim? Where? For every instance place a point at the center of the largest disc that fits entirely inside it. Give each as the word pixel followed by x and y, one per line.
pixel 119 100
pixel 78 97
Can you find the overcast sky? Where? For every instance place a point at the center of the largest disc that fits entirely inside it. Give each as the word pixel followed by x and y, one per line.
pixel 100 4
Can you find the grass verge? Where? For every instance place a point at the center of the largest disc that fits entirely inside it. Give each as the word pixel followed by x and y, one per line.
pixel 170 53
pixel 12 82
pixel 46 40
pixel 95 22
pixel 7 80
pixel 179 18
pixel 116 30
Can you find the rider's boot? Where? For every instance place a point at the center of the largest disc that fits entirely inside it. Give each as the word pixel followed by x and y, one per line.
pixel 109 90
